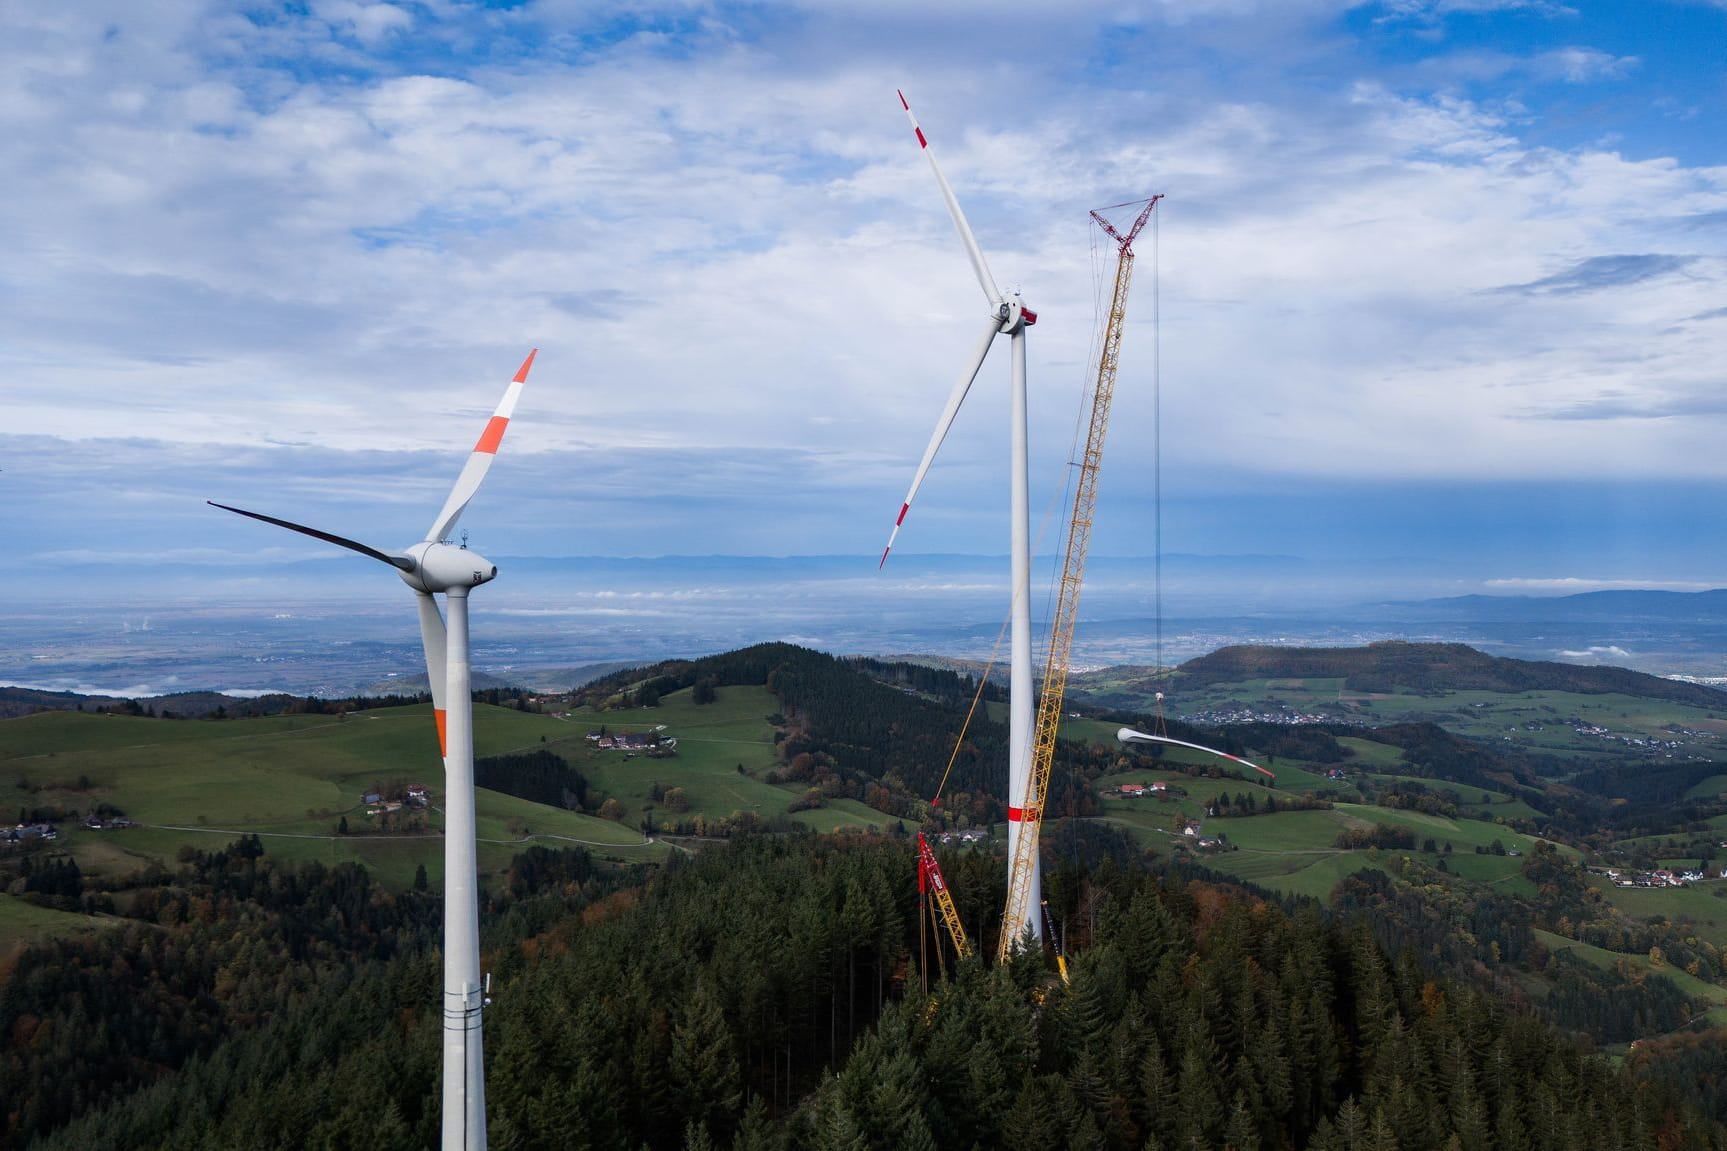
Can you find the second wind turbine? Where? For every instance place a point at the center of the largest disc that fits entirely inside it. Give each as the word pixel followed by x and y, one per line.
pixel 1008 316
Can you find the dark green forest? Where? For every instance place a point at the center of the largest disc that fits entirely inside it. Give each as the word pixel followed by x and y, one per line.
pixel 765 994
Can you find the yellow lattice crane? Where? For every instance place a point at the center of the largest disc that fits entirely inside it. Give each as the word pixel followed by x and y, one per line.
pixel 1021 875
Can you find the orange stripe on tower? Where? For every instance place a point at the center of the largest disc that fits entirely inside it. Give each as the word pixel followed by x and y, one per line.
pixel 438 718
pixel 1016 814
pixel 493 435
pixel 522 372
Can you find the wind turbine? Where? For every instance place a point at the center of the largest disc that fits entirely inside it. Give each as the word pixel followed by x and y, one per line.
pixel 429 567
pixel 1008 316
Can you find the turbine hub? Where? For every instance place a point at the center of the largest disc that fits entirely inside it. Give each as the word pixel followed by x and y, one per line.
pixel 1013 313
pixel 438 567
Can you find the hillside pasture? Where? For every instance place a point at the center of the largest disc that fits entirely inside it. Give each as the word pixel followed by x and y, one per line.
pixel 1370 754
pixel 1606 960
pixel 1313 875
pixel 288 779
pixel 714 740
pixel 23 923
pixel 1704 904
pixel 846 814
pixel 1709 788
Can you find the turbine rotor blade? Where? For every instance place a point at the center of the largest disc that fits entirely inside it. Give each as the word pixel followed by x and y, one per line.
pixel 1129 735
pixel 480 460
pixel 403 562
pixel 434 639
pixel 954 400
pixel 981 269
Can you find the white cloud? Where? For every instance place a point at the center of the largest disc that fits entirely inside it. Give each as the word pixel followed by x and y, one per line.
pixel 1434 10
pixel 232 230
pixel 371 24
pixel 1586 65
pixel 1572 585
pixel 1598 653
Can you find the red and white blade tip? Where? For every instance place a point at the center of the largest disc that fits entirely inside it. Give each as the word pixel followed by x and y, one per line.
pixel 922 141
pixel 480 459
pixel 495 427
pixel 893 535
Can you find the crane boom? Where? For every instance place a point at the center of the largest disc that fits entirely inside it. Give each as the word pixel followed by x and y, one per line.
pixel 1067 598
pixel 929 872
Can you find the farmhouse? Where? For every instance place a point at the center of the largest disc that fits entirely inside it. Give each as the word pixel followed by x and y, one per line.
pixel 26 831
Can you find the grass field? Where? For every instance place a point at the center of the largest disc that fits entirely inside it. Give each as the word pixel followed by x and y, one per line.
pixel 1709 788
pixel 1704 904
pixel 290 779
pixel 1370 754
pixel 724 750
pixel 1313 876
pixel 1607 960
pixel 22 923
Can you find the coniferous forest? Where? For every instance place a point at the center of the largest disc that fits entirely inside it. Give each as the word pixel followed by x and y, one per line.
pixel 765 994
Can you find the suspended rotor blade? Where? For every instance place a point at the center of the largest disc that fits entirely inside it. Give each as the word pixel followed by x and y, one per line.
pixel 480 461
pixel 984 279
pixel 402 562
pixel 435 640
pixel 1129 735
pixel 942 425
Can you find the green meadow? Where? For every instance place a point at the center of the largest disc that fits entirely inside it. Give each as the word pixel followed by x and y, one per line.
pixel 292 779
pixel 1608 960
pixel 22 923
pixel 1702 905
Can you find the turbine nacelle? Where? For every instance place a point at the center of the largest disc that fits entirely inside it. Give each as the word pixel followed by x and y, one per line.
pixel 1012 312
pixel 439 567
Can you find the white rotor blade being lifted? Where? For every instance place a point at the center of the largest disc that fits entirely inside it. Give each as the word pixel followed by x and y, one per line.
pixel 1129 735
pixel 431 567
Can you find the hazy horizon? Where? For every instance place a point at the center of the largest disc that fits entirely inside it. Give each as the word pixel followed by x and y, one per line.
pixel 339 625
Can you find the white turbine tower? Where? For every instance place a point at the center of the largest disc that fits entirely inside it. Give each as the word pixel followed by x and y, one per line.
pixel 432 566
pixel 1007 316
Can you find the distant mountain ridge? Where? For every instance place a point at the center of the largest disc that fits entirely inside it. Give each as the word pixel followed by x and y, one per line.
pixel 16 701
pixel 1611 604
pixel 1393 665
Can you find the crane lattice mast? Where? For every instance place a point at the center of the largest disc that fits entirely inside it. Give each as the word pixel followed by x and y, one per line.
pixel 1073 570
pixel 929 877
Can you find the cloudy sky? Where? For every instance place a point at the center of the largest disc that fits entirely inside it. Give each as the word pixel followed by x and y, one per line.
pixel 1434 280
